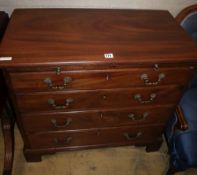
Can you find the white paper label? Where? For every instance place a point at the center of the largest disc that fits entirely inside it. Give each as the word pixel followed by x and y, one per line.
pixel 109 55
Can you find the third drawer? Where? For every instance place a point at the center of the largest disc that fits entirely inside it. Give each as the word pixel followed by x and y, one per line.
pixel 77 120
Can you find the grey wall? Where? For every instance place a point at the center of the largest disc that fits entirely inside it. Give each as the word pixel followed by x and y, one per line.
pixel 174 6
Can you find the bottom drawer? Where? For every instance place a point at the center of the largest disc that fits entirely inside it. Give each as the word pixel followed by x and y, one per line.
pixel 110 136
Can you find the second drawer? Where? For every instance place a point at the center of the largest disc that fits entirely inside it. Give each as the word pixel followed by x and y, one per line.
pixel 98 99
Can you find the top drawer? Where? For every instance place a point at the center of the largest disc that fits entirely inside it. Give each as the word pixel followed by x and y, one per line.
pixel 98 79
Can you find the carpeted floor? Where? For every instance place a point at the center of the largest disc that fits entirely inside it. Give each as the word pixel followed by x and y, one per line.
pixel 105 161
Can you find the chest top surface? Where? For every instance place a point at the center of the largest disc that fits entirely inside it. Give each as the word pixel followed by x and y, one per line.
pixel 63 36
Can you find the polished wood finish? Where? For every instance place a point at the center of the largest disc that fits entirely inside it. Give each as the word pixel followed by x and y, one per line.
pixel 71 36
pixel 55 121
pixel 93 99
pixel 97 79
pixel 181 121
pixel 186 11
pixel 7 122
pixel 68 96
pixel 7 127
pixel 3 23
pixel 108 136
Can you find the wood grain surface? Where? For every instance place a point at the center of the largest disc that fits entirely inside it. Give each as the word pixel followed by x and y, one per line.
pixel 97 99
pixel 38 37
pixel 104 101
pixel 98 79
pixel 79 120
pixel 97 137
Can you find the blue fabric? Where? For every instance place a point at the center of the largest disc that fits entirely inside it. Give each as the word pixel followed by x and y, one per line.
pixel 188 104
pixel 190 25
pixel 184 151
pixel 169 130
pixel 183 144
pixel 194 81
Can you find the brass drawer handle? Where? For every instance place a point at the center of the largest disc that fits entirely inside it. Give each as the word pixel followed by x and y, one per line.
pixel 133 117
pixel 68 101
pixel 67 123
pixel 139 98
pixel 59 142
pixel 50 84
pixel 144 77
pixel 130 137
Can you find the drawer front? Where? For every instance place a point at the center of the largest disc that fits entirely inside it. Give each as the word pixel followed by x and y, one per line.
pixel 98 79
pixel 95 119
pixel 97 99
pixel 122 136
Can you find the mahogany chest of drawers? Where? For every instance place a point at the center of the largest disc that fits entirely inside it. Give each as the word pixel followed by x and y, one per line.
pixel 82 78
